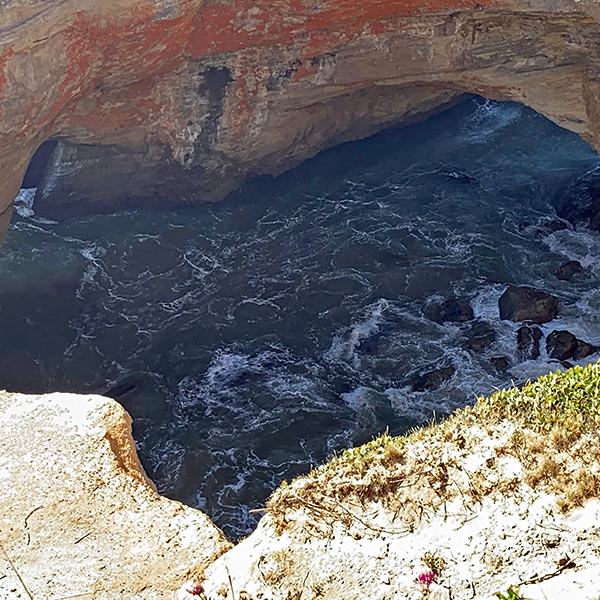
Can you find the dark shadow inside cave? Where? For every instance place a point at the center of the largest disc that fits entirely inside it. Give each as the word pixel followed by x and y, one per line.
pixel 37 165
pixel 251 339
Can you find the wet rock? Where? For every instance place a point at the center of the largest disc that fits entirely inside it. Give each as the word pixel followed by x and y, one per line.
pixel 500 363
pixel 561 344
pixel 480 336
pixel 454 310
pixel 528 342
pixel 433 379
pixel 527 304
pixel 584 349
pixel 567 271
pixel 555 225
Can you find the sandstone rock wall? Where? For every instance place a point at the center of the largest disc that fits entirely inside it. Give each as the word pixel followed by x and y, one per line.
pixel 79 517
pixel 183 99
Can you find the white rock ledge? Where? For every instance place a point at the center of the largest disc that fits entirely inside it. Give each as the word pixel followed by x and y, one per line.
pixel 78 515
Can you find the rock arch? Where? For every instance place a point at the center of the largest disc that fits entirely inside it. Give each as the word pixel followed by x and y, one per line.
pixel 154 99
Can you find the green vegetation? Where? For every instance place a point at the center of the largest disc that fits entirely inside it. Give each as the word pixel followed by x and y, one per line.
pixel 569 400
pixel 511 594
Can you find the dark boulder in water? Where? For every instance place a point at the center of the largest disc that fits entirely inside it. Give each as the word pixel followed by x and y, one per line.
pixel 500 363
pixel 584 349
pixel 555 225
pixel 453 310
pixel 480 336
pixel 433 379
pixel 130 394
pixel 527 304
pixel 528 342
pixel 567 271
pixel 561 344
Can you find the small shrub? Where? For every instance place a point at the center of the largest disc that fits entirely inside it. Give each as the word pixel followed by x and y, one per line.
pixel 435 562
pixel 511 594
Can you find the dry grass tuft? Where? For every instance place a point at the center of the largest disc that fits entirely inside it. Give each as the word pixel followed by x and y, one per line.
pixel 550 426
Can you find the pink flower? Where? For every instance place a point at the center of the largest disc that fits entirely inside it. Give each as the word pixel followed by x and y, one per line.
pixel 426 578
pixel 194 589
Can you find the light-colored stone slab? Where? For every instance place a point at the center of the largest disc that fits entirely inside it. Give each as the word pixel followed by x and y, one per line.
pixel 78 515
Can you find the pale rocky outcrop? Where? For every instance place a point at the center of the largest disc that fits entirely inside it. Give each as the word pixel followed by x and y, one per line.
pixel 184 99
pixel 78 516
pixel 483 539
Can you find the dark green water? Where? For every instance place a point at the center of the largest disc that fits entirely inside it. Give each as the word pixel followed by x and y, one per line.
pixel 253 338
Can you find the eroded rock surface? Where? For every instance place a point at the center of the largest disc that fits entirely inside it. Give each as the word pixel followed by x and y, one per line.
pixel 185 99
pixel 78 516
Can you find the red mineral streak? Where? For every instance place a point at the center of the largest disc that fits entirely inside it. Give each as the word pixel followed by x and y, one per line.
pixel 99 51
pixel 250 23
pixel 222 81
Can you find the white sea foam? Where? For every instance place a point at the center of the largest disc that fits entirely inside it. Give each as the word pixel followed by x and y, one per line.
pixel 490 118
pixel 24 202
pixel 581 245
pixel 344 344
pixel 358 399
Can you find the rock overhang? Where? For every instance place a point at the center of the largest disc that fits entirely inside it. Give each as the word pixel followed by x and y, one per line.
pixel 185 99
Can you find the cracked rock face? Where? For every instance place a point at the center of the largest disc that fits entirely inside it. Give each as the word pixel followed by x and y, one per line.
pixel 184 99
pixel 78 516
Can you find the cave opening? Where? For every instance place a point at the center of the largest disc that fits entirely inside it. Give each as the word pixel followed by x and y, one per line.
pixel 251 339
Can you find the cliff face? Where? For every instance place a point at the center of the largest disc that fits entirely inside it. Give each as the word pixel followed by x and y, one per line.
pixel 79 517
pixel 156 99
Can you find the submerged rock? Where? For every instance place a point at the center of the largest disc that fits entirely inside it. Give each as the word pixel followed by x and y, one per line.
pixel 528 342
pixel 459 176
pixel 580 204
pixel 500 363
pixel 433 379
pixel 79 515
pixel 480 336
pixel 567 271
pixel 555 225
pixel 527 304
pixel 453 310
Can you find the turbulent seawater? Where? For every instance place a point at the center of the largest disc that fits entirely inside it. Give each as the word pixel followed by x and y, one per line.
pixel 254 338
